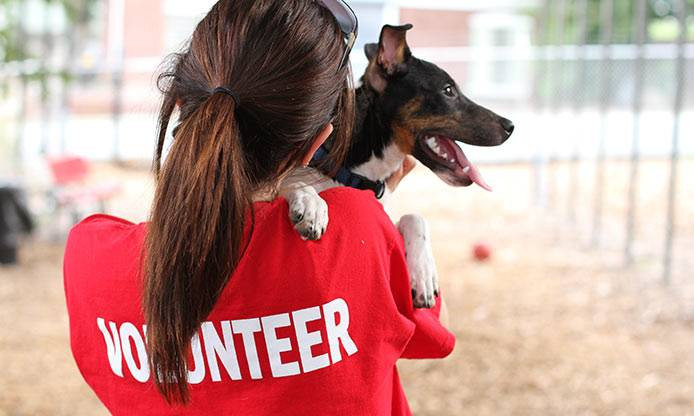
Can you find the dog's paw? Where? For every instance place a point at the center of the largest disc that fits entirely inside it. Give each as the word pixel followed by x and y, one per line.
pixel 424 281
pixel 420 261
pixel 308 212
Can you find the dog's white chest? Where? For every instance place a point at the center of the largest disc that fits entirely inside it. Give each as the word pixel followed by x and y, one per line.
pixel 378 169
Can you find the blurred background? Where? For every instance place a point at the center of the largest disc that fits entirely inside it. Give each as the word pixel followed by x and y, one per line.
pixel 571 287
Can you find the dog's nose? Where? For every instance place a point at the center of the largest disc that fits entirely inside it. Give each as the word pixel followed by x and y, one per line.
pixel 507 125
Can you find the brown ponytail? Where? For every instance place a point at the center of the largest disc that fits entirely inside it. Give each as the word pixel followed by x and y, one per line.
pixel 281 57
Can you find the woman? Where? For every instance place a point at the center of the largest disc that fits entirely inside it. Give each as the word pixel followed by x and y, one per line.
pixel 242 316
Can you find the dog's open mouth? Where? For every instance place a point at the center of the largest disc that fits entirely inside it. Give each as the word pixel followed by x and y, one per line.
pixel 449 157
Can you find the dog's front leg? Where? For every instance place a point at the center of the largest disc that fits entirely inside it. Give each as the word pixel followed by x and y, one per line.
pixel 420 260
pixel 307 210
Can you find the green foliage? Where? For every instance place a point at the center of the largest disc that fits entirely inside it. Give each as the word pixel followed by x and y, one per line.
pixel 13 45
pixel 660 21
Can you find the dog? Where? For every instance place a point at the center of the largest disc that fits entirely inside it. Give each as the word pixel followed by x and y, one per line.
pixel 405 106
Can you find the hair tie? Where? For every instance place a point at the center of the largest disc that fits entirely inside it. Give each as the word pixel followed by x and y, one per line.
pixel 229 92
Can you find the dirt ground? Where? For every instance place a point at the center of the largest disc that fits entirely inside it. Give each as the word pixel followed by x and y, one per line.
pixel 549 326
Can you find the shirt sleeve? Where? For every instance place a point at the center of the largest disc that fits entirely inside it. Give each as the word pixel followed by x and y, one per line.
pixel 430 338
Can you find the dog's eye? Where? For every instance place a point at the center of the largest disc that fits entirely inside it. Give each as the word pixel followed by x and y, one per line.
pixel 450 91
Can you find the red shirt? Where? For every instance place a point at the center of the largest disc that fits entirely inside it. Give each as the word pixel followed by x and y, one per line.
pixel 303 328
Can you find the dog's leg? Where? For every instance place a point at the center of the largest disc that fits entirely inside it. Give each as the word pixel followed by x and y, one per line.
pixel 420 260
pixel 307 210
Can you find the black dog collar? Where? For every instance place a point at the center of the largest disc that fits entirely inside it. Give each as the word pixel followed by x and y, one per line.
pixel 351 179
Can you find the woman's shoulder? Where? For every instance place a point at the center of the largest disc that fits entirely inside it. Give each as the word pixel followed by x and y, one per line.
pixel 344 198
pixel 101 221
pixel 353 215
pixel 102 241
pixel 102 230
pixel 358 209
pixel 103 225
pixel 351 197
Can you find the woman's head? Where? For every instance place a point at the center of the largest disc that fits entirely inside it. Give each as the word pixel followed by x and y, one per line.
pixel 281 59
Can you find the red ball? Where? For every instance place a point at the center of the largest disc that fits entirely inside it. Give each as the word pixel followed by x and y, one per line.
pixel 482 252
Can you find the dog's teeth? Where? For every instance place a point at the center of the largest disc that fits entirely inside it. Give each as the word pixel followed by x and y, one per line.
pixel 434 145
pixel 466 169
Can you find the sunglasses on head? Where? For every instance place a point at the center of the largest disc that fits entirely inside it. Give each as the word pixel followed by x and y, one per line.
pixel 348 24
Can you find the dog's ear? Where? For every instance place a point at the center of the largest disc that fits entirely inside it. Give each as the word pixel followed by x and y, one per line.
pixel 371 49
pixel 393 51
pixel 389 58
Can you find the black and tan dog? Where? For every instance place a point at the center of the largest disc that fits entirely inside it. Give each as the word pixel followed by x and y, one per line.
pixel 405 106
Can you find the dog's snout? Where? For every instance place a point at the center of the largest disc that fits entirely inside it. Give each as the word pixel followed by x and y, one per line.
pixel 508 126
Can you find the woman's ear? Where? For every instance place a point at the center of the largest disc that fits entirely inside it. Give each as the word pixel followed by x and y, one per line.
pixel 317 143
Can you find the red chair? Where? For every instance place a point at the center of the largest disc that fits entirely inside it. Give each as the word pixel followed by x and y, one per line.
pixel 71 189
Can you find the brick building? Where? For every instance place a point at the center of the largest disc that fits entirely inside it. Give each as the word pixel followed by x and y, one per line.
pixel 445 32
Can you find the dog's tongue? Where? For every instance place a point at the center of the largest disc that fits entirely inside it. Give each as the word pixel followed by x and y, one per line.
pixel 474 174
pixel 467 168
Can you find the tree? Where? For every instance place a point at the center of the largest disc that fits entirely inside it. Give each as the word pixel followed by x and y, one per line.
pixel 25 56
pixel 13 45
pixel 661 23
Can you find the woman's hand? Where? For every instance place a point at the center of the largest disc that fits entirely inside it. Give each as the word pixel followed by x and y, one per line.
pixel 407 165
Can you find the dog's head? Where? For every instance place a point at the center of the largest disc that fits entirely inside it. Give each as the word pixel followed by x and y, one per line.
pixel 427 110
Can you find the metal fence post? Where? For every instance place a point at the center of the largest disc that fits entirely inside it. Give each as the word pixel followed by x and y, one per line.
pixel 675 155
pixel 46 70
pixel 18 153
pixel 607 22
pixel 640 33
pixel 578 101
pixel 117 56
pixel 542 74
pixel 557 93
